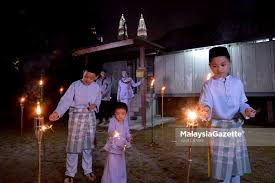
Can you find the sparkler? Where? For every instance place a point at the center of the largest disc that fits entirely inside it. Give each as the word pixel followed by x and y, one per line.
pixel 117 135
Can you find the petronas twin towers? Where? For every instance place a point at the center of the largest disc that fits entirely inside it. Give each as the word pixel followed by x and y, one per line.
pixel 122 29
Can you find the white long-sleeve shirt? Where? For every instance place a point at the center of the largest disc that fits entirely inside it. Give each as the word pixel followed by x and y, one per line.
pixel 224 97
pixel 79 96
pixel 125 90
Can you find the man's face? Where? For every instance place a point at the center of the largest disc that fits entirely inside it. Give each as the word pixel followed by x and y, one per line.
pixel 88 77
pixel 220 66
pixel 103 74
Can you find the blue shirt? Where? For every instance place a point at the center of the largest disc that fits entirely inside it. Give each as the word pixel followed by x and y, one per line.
pixel 79 96
pixel 224 96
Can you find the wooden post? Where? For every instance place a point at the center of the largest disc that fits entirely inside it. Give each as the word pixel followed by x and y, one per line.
pixel 143 87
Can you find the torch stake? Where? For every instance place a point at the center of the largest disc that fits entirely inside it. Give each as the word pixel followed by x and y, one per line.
pixel 38 122
pixel 152 118
pixel 21 124
pixel 162 94
pixel 152 121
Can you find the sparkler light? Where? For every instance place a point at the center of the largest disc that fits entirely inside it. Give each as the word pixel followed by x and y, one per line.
pixel 46 127
pixel 191 119
pixel 192 115
pixel 116 134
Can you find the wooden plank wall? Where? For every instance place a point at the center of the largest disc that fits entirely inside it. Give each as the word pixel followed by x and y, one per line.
pixel 184 72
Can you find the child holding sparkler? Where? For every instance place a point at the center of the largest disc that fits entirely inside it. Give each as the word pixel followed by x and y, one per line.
pixel 119 139
pixel 82 99
pixel 223 103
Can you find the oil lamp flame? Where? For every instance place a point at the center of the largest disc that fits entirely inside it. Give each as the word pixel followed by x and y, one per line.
pixel 38 109
pixel 40 82
pixel 152 82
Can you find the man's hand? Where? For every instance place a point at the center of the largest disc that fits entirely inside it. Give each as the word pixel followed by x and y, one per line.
pixel 250 112
pixel 92 107
pixel 54 116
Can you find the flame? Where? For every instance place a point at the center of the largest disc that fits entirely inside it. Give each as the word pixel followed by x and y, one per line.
pixel 163 88
pixel 22 100
pixel 152 82
pixel 116 134
pixel 191 115
pixel 38 109
pixel 209 75
pixel 46 127
pixel 61 89
pixel 41 82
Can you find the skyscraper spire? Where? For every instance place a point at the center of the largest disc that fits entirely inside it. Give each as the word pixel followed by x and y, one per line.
pixel 122 29
pixel 142 31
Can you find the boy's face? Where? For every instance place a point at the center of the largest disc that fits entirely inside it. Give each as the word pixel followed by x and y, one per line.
pixel 220 66
pixel 120 114
pixel 88 77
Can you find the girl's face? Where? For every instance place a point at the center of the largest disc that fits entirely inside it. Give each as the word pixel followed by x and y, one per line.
pixel 120 115
pixel 220 66
pixel 88 77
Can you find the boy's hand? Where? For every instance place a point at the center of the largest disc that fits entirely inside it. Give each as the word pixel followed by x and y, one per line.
pixel 204 112
pixel 92 107
pixel 54 116
pixel 250 112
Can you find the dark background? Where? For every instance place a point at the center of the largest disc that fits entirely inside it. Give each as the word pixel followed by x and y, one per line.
pixel 40 35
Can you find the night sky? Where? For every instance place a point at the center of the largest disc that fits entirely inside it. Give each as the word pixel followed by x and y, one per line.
pixel 42 33
pixel 42 25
